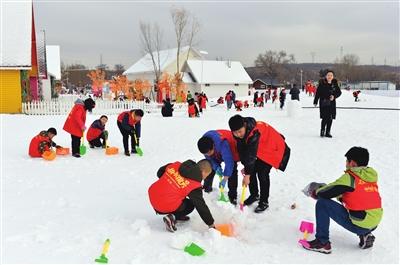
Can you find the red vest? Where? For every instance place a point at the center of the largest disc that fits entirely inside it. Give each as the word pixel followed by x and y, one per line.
pixel 131 120
pixel 227 135
pixel 203 102
pixel 192 110
pixel 364 197
pixel 93 133
pixel 271 145
pixel 168 192
pixel 34 145
pixel 75 122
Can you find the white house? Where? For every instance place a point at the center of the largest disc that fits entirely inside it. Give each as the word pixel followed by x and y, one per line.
pixel 53 63
pixel 143 69
pixel 216 78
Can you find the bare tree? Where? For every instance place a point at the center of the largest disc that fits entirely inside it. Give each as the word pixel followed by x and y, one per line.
pixel 194 32
pixel 274 64
pixel 119 68
pixel 151 42
pixel 180 19
pixel 346 67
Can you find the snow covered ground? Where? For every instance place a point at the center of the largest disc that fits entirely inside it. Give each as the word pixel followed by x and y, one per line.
pixel 62 211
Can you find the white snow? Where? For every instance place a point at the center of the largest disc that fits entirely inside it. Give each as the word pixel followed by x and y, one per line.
pixel 62 211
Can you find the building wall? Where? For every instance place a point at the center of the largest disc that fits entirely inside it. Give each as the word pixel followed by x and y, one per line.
pixel 10 91
pixel 46 83
pixel 219 90
pixel 171 68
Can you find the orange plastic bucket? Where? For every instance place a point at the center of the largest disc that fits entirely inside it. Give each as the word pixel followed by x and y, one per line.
pixel 111 150
pixel 225 229
pixel 62 151
pixel 49 155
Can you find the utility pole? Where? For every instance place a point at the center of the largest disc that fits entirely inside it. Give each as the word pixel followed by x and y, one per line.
pixel 312 57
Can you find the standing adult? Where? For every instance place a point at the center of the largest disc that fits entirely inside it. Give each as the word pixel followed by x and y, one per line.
pixel 255 97
pixel 294 93
pixel 327 92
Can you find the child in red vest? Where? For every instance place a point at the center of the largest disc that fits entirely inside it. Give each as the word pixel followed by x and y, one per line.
pixel 97 135
pixel 246 104
pixel 238 105
pixel 178 192
pixel 360 210
pixel 129 125
pixel 42 142
pixel 75 123
pixel 260 148
pixel 193 111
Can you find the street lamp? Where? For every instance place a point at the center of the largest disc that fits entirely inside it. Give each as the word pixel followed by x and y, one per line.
pixel 202 59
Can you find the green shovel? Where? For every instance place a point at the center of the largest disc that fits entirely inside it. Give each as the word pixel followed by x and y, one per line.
pixel 222 197
pixel 139 150
pixel 82 148
pixel 194 249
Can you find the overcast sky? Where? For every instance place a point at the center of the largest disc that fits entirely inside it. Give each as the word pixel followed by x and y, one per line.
pixel 231 30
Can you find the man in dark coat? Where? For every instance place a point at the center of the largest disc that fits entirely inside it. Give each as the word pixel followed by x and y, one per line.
pixel 294 93
pixel 327 92
pixel 167 108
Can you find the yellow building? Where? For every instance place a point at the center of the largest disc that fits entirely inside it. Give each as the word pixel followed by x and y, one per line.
pixel 15 59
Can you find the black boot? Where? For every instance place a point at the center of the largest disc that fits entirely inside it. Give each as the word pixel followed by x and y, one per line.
pixel 262 206
pixel 322 134
pixel 328 129
pixel 251 199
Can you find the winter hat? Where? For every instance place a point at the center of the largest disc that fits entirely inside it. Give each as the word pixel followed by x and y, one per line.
pixel 359 155
pixel 236 122
pixel 52 131
pixel 89 104
pixel 205 144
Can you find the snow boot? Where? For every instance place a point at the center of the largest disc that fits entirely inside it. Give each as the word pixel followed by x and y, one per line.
pixel 328 134
pixel 170 222
pixel 91 146
pixel 322 134
pixel 77 155
pixel 316 245
pixel 233 200
pixel 127 153
pixel 251 199
pixel 262 206
pixel 366 241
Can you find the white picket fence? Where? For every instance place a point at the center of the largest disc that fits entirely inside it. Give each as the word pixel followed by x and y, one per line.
pixel 63 107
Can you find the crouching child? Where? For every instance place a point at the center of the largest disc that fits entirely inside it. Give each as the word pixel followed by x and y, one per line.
pixel 178 192
pixel 360 210
pixel 97 135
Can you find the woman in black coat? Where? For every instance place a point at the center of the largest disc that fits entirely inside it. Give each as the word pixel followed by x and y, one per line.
pixel 327 92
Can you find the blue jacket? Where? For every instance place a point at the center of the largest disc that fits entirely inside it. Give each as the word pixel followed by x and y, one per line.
pixel 222 153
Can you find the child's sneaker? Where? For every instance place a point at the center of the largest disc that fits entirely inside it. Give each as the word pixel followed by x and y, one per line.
pixel 127 153
pixel 316 245
pixel 233 200
pixel 91 146
pixel 76 155
pixel 169 221
pixel 134 151
pixel 366 241
pixel 262 206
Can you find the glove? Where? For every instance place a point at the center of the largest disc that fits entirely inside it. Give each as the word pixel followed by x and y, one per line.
pixel 218 171
pixel 311 189
pixel 84 128
pixel 242 171
pixel 58 146
pixel 105 133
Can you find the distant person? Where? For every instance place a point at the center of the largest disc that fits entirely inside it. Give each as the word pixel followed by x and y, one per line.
pixel 75 123
pixel 294 93
pixel 327 92
pixel 282 98
pixel 167 108
pixel 42 142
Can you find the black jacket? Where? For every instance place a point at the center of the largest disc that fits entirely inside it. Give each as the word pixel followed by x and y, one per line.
pixel 167 109
pixel 248 149
pixel 327 108
pixel 189 169
pixel 294 93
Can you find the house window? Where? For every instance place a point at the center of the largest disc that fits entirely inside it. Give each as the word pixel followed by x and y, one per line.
pixel 207 84
pixel 236 84
pixel 262 86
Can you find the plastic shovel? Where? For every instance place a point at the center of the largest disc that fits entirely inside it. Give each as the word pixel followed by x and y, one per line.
pixel 139 151
pixel 82 148
pixel 194 249
pixel 222 197
pixel 103 258
pixel 242 197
